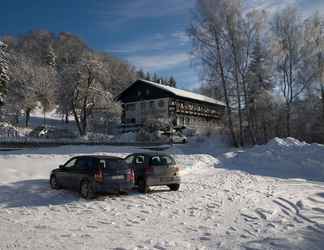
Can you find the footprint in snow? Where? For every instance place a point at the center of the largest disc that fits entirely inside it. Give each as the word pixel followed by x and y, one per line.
pixel 244 236
pixel 145 212
pixel 86 236
pixel 204 238
pixel 66 235
pixel 91 226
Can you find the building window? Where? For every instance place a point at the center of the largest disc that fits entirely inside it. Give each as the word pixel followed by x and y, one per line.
pixel 131 107
pixel 139 93
pixel 143 106
pixel 147 92
pixel 152 104
pixel 161 103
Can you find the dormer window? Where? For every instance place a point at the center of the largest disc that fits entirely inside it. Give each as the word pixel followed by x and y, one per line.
pixel 139 93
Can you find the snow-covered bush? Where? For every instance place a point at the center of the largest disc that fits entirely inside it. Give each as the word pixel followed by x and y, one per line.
pixel 7 130
pixel 53 133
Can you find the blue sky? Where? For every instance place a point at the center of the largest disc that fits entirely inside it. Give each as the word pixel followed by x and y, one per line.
pixel 151 34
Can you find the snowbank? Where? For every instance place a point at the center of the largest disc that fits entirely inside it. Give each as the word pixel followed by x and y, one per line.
pixel 126 137
pixel 284 158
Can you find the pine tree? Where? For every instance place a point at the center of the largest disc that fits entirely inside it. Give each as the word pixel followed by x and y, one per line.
pixel 141 74
pixel 172 82
pixel 258 83
pixel 4 77
pixel 51 57
pixel 259 78
pixel 155 78
pixel 148 76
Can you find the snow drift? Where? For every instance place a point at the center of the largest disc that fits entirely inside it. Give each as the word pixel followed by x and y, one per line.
pixel 283 158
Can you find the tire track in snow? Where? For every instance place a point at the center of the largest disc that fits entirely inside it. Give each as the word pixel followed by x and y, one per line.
pixel 287 205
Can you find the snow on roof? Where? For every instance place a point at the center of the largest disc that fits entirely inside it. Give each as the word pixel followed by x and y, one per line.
pixel 184 93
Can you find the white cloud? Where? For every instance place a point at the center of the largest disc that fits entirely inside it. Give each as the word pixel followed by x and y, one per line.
pixel 157 42
pixel 182 37
pixel 159 62
pixel 137 9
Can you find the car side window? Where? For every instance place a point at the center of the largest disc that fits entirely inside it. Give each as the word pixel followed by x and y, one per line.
pixel 139 159
pixel 129 160
pixel 71 163
pixel 84 164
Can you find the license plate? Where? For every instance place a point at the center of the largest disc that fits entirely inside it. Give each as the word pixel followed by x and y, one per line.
pixel 118 177
pixel 166 179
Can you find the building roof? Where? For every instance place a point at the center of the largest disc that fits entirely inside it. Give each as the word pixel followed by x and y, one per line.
pixel 181 93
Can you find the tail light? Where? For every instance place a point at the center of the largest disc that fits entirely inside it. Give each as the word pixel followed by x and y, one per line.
pixel 177 169
pixel 131 175
pixel 99 175
pixel 148 169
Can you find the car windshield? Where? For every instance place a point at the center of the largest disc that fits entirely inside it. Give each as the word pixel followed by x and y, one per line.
pixel 113 164
pixel 161 160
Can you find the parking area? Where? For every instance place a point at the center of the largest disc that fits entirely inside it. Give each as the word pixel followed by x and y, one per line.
pixel 215 208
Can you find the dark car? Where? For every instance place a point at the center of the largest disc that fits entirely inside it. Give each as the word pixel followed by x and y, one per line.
pixel 154 169
pixel 93 174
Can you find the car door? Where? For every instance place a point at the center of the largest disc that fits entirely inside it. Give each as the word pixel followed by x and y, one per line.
pixel 63 175
pixel 130 161
pixel 80 171
pixel 139 163
pixel 163 166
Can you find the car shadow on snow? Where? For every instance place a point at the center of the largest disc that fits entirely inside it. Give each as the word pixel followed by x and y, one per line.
pixel 33 193
pixel 38 193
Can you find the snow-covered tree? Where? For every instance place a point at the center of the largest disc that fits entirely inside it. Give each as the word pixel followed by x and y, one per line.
pixel 51 57
pixel 293 57
pixel 4 75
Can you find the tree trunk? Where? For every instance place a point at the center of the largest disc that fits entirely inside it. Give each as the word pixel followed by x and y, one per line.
pixel 66 120
pixel 77 121
pixel 288 119
pixel 249 115
pixel 265 132
pixel 238 90
pixel 44 119
pixel 27 117
pixel 238 97
pixel 17 118
pixel 228 106
pixel 84 116
pixel 322 95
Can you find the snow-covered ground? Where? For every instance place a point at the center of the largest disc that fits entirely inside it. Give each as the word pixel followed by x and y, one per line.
pixel 229 199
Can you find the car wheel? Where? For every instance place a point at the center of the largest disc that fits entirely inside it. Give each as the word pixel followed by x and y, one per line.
pixel 86 190
pixel 53 182
pixel 142 187
pixel 174 187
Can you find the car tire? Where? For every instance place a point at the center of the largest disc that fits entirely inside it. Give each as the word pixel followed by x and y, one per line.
pixel 142 186
pixel 86 190
pixel 53 182
pixel 174 187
